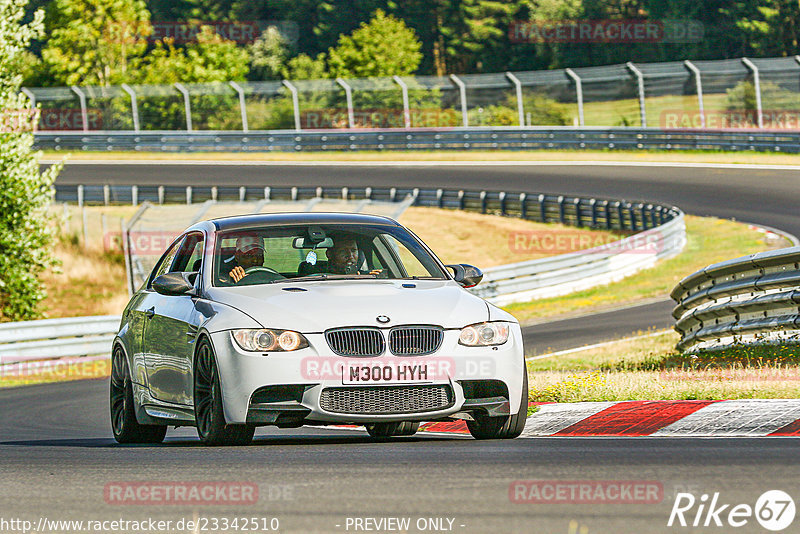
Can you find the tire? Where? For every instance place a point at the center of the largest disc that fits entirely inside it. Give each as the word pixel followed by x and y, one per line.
pixel 208 412
pixel 504 427
pixel 388 430
pixel 124 425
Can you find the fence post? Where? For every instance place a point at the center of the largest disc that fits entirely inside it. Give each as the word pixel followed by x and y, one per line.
pixel 607 213
pixel 80 196
pixel 502 198
pixel 134 105
pixel 214 193
pixel 32 97
pixel 542 209
pixel 593 204
pixel 757 82
pixel 295 103
pixel 242 105
pixel 579 92
pixel 393 194
pixel 242 193
pixel 84 113
pixel 348 93
pixel 134 195
pixel 406 111
pixel 188 194
pixel 106 195
pixel 462 89
pixel 523 212
pixel 640 79
pixel 439 198
pixel 160 194
pixel 520 105
pixel 620 216
pixel 483 201
pixel 578 218
pixel 267 193
pixel 691 66
pixel 461 199
pixel 187 106
pixel 561 217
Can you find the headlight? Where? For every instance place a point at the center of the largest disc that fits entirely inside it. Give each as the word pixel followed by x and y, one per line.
pixel 484 334
pixel 268 340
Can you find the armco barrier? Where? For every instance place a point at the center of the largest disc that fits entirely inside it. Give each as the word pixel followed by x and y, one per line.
pixel 57 338
pixel 505 138
pixel 752 299
pixel 662 229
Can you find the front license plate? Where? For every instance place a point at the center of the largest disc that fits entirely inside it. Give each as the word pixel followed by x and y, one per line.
pixel 386 373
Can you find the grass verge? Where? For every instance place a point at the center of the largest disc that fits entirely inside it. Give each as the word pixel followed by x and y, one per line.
pixel 709 240
pixel 651 369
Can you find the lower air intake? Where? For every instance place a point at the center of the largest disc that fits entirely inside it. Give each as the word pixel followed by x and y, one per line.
pixel 386 399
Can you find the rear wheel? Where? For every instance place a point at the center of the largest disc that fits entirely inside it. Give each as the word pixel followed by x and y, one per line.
pixel 387 430
pixel 504 427
pixel 208 412
pixel 123 412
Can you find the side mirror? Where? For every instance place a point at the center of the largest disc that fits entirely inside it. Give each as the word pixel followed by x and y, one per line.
pixel 175 284
pixel 466 275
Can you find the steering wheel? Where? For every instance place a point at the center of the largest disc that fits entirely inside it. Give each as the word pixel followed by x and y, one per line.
pixel 259 269
pixel 259 275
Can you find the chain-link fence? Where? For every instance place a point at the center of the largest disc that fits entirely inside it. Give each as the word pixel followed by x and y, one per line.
pixel 731 93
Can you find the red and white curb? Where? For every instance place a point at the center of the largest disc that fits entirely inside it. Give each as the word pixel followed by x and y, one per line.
pixel 664 418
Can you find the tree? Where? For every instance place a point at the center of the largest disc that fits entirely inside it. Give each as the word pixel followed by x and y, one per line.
pixel 384 46
pixel 92 42
pixel 268 55
pixel 24 190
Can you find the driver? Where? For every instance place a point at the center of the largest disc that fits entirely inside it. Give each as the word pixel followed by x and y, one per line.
pixel 343 256
pixel 249 253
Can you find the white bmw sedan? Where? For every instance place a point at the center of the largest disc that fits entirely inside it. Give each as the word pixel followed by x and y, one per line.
pixel 312 319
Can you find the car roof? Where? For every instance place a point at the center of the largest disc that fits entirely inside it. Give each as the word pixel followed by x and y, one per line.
pixel 279 219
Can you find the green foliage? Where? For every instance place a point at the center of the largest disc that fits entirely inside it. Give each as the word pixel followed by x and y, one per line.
pixel 383 47
pixel 268 55
pixel 773 97
pixel 541 110
pixel 24 190
pixel 95 42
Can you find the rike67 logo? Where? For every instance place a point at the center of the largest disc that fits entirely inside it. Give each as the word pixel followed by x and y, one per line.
pixel 774 510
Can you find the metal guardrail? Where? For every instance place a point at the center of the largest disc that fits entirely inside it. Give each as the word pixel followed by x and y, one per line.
pixel 752 299
pixel 567 273
pixel 661 228
pixel 51 339
pixel 504 138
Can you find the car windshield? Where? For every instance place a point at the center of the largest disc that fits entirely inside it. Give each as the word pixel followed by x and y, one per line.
pixel 301 253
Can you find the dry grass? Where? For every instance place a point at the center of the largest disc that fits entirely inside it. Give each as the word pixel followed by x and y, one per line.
pixel 709 240
pixel 651 369
pixel 743 157
pixel 91 280
pixel 489 240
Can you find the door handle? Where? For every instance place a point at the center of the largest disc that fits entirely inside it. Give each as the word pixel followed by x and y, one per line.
pixel 150 312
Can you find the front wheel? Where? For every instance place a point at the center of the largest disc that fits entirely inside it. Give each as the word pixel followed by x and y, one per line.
pixel 208 412
pixel 503 427
pixel 124 425
pixel 388 430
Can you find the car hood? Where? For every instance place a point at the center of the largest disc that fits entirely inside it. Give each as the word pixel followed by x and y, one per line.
pixel 317 306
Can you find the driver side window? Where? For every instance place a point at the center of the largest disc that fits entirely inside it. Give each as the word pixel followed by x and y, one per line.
pixel 164 264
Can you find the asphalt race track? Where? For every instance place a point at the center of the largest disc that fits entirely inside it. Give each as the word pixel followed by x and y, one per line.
pixel 57 459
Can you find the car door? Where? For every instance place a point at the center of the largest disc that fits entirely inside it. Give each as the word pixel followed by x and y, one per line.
pixel 171 330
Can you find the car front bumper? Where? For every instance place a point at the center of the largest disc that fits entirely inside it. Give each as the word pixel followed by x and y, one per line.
pixel 317 373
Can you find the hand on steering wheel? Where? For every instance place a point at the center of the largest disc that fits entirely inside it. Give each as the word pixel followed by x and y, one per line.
pixel 237 273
